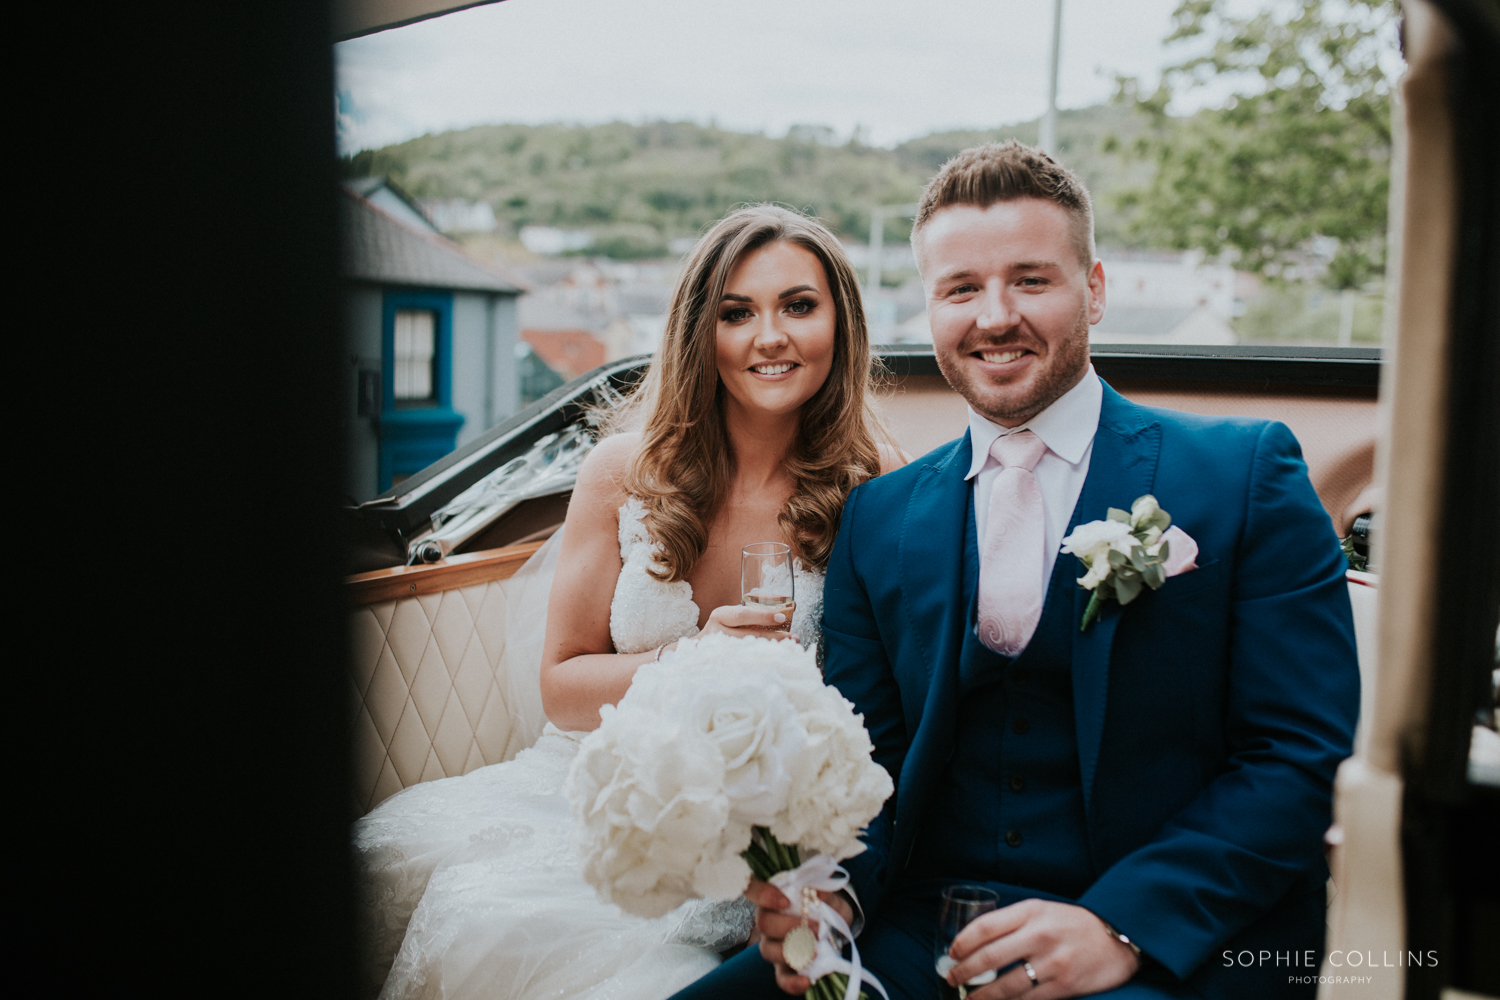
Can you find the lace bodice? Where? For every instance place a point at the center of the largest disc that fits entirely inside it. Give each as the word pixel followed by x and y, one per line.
pixel 645 612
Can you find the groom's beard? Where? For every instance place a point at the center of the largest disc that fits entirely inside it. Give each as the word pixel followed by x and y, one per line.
pixel 1059 370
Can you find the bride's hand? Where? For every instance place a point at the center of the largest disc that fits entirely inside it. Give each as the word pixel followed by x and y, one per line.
pixel 739 619
pixel 774 925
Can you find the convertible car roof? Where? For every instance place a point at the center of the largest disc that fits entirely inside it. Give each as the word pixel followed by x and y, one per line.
pixel 352 18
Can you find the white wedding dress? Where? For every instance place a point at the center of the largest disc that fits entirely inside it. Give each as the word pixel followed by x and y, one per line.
pixel 472 883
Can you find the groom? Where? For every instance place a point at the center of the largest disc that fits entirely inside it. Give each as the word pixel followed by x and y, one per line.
pixel 1148 796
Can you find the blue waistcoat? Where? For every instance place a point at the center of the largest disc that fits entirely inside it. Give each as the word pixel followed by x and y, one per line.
pixel 1010 806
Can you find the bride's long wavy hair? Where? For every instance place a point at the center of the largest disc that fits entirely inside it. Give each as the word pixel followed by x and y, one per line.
pixel 682 470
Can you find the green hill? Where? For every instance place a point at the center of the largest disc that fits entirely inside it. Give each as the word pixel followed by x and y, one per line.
pixel 638 186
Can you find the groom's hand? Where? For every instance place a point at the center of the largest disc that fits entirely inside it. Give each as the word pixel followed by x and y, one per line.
pixel 1069 950
pixel 775 925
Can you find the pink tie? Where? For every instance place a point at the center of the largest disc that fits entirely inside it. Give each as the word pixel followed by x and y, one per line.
pixel 1010 557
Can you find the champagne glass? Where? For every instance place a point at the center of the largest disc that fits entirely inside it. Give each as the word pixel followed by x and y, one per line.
pixel 961 904
pixel 766 579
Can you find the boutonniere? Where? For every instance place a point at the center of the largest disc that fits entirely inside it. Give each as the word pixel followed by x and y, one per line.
pixel 1127 551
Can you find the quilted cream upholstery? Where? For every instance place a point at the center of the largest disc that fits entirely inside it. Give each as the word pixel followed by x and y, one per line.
pixel 427 685
pixel 1364 599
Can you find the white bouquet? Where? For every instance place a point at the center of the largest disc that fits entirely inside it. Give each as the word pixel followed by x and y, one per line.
pixel 729 758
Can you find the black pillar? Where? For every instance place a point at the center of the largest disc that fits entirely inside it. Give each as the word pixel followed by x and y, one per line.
pixel 184 766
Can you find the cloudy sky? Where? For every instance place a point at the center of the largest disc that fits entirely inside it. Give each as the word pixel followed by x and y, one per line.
pixel 895 68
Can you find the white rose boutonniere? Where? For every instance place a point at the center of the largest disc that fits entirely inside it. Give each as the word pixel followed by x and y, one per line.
pixel 1127 551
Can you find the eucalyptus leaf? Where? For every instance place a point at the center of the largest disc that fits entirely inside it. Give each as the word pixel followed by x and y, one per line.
pixel 1138 558
pixel 1160 519
pixel 1155 575
pixel 1127 588
pixel 1163 551
pixel 1116 514
pixel 1117 558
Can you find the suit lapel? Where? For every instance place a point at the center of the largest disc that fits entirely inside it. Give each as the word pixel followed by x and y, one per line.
pixel 1121 468
pixel 930 567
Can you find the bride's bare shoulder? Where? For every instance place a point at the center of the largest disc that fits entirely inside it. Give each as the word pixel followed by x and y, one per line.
pixel 601 479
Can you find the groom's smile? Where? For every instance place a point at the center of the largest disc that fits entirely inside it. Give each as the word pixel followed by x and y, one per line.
pixel 1010 303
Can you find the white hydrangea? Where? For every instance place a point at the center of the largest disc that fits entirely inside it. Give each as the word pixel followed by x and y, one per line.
pixel 724 734
pixel 650 810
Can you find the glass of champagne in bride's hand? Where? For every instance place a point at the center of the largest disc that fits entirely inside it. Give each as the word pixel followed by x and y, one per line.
pixel 961 904
pixel 766 580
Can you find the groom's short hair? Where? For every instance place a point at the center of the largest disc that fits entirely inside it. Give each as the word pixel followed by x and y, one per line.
pixel 984 175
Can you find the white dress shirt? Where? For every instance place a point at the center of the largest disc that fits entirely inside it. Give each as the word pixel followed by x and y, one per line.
pixel 1067 429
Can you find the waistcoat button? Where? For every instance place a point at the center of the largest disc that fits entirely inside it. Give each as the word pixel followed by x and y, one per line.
pixel 1013 838
pixel 1017 783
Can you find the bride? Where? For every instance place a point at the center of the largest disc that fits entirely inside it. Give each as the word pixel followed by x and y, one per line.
pixel 755 425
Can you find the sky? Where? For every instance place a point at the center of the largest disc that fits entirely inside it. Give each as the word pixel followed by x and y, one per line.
pixel 895 69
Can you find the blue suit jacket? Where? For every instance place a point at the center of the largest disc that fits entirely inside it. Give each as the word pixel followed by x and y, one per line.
pixel 1210 714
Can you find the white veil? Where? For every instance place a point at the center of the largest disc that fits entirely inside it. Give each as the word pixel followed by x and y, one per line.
pixel 525 630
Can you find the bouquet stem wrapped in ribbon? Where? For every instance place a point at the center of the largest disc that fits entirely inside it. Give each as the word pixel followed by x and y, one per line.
pixel 818 956
pixel 730 758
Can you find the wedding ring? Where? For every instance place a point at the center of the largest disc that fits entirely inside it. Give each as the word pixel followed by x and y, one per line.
pixel 1031 974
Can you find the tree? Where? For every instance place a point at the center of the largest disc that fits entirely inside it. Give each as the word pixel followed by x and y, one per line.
pixel 1301 150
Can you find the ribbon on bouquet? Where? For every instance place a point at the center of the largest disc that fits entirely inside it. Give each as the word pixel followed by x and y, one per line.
pixel 823 873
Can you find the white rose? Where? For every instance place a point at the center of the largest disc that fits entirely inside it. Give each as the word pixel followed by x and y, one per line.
pixel 1097 538
pixel 1098 572
pixel 1142 509
pixel 1092 543
pixel 747 715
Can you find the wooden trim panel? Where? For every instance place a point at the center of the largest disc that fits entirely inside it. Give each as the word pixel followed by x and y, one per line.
pixel 449 574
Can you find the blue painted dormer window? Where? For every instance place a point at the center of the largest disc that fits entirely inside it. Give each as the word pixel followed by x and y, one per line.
pixel 418 425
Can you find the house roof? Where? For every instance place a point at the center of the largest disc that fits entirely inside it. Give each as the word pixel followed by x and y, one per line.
pixel 385 193
pixel 567 352
pixel 379 247
pixel 367 186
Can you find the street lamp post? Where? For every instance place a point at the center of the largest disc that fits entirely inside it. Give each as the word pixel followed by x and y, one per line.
pixel 1049 120
pixel 878 215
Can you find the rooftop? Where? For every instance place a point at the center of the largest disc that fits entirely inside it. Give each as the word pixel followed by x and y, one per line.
pixel 380 248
